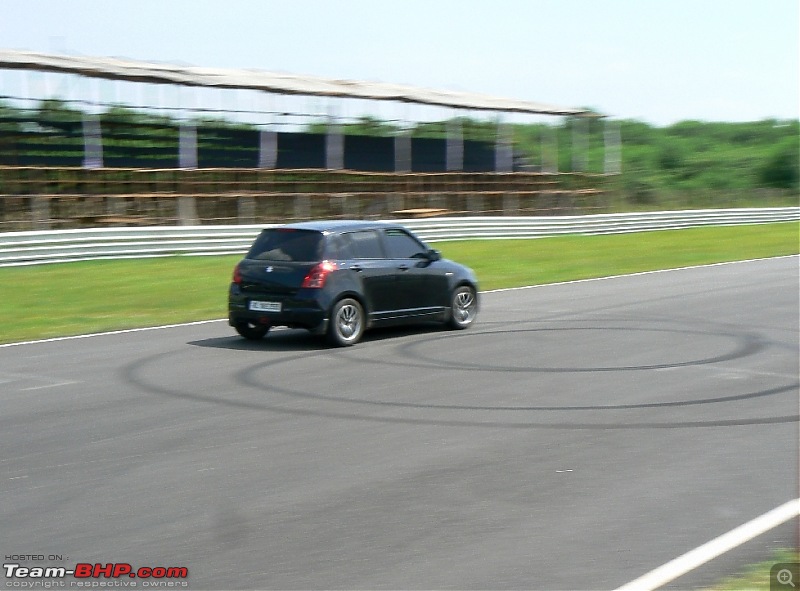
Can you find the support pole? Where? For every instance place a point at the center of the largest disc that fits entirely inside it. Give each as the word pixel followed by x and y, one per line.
pixel 503 148
pixel 550 152
pixel 402 151
pixel 187 159
pixel 268 148
pixel 580 160
pixel 334 142
pixel 454 157
pixel 92 141
pixel 402 164
pixel 187 145
pixel 613 147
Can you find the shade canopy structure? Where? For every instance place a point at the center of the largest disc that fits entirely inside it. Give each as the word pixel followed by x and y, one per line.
pixel 279 83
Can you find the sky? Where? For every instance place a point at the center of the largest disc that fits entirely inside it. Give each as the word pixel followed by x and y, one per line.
pixel 658 61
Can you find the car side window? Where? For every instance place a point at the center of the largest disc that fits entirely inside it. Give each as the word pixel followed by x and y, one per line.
pixel 401 245
pixel 338 247
pixel 364 245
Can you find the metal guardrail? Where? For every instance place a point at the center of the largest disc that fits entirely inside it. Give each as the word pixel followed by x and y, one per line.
pixel 32 248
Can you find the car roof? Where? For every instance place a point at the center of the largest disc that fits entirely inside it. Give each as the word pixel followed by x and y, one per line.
pixel 340 225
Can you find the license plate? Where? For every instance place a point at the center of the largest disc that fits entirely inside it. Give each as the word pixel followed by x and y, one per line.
pixel 257 306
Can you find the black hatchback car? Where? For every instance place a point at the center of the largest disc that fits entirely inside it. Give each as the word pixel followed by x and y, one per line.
pixel 339 278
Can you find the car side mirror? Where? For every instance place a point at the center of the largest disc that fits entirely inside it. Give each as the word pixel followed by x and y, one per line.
pixel 434 255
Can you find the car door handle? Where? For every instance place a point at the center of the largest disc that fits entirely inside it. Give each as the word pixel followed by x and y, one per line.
pixel 355 268
pixel 403 267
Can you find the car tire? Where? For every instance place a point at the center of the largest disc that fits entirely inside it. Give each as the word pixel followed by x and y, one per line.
pixel 463 307
pixel 250 330
pixel 347 323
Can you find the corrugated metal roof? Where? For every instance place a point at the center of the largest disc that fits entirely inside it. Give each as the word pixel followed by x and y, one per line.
pixel 137 71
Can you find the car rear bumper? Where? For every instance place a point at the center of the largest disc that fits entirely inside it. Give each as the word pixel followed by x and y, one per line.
pixel 295 313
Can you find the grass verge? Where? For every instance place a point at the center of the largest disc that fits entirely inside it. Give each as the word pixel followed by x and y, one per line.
pixel 83 297
pixel 756 577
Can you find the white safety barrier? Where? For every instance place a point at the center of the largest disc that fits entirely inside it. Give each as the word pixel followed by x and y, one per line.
pixel 57 246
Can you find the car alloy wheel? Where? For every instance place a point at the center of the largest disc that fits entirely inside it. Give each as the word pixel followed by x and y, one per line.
pixel 347 323
pixel 463 307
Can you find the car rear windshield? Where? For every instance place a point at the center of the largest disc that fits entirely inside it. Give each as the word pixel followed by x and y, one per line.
pixel 287 244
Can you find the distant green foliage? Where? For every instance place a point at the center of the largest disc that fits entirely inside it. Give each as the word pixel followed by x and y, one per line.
pixel 57 111
pixel 365 125
pixel 708 164
pixel 781 169
pixel 470 129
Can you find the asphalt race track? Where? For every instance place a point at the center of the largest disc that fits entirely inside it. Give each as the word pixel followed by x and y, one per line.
pixel 576 437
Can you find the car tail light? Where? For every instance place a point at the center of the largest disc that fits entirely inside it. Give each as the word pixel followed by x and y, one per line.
pixel 316 277
pixel 237 276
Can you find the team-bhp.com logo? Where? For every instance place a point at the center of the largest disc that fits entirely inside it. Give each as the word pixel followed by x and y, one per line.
pixel 88 575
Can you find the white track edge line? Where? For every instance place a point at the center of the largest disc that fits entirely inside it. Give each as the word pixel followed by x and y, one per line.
pixel 130 330
pixel 714 548
pixel 110 332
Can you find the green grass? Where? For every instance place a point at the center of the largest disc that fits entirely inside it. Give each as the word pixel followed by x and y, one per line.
pixel 76 298
pixel 509 263
pixel 83 297
pixel 756 577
